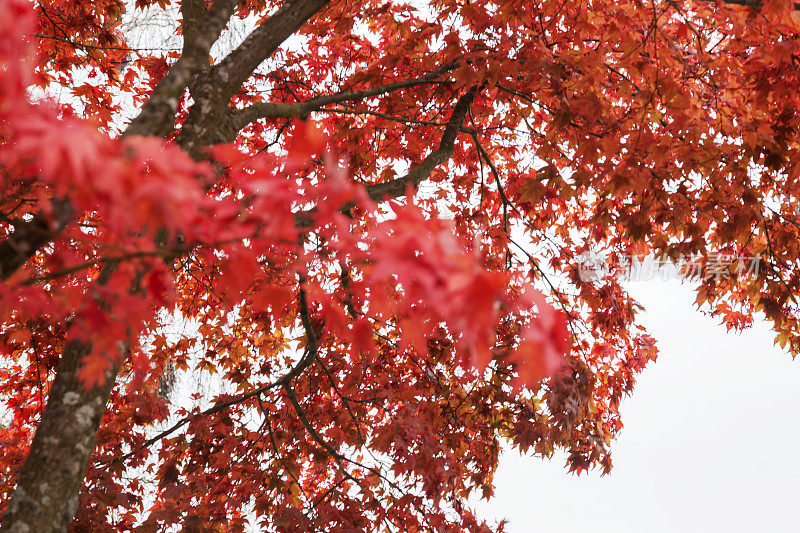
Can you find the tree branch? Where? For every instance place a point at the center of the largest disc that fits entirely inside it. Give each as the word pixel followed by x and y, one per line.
pixel 308 357
pixel 263 42
pixel 386 116
pixel 243 117
pixel 754 4
pixel 338 457
pixel 398 186
pixel 30 236
pixel 193 13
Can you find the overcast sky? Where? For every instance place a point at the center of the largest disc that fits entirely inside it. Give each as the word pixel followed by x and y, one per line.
pixel 710 440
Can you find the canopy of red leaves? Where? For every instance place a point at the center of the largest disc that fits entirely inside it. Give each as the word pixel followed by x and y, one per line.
pixel 371 354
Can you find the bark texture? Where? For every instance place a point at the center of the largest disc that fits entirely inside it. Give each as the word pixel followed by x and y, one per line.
pixel 49 484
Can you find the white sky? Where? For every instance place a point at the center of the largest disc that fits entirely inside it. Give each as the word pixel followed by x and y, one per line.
pixel 709 444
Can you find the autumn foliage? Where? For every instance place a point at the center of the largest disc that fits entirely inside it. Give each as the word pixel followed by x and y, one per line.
pixel 316 283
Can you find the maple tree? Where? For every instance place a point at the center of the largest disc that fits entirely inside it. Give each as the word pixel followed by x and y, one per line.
pixel 361 221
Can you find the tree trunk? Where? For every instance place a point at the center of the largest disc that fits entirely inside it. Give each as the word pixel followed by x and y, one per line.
pixel 49 485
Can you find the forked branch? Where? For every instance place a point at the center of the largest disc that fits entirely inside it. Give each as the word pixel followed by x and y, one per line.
pixel 158 114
